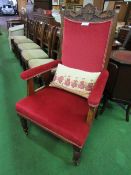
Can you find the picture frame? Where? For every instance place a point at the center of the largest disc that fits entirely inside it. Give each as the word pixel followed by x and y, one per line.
pixel 55 2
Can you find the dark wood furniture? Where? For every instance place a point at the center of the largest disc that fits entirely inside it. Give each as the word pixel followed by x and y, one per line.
pixel 118 87
pixel 44 4
pixel 39 14
pixel 13 22
pixel 123 31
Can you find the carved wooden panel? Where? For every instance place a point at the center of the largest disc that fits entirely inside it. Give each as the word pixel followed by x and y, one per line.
pixel 89 13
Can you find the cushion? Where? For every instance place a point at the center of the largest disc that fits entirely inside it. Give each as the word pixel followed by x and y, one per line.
pixel 34 54
pixel 19 37
pixel 55 110
pixel 26 46
pixel 73 80
pixel 24 40
pixel 37 62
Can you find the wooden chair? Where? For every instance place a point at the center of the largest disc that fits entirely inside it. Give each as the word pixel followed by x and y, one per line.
pixel 30 31
pixel 55 49
pixel 66 115
pixel 46 34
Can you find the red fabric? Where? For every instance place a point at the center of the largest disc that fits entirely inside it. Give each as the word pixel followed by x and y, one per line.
pixel 122 56
pixel 30 73
pixel 61 112
pixel 96 94
pixel 84 47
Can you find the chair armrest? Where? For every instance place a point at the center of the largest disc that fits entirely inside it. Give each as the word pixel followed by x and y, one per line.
pixel 30 73
pixel 96 94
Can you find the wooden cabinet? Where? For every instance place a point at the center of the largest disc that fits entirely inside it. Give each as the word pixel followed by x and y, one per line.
pixel 44 4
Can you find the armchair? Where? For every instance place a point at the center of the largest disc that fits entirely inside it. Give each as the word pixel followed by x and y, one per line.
pixel 66 115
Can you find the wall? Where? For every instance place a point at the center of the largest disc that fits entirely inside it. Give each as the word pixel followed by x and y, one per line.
pixel 21 3
pixel 87 1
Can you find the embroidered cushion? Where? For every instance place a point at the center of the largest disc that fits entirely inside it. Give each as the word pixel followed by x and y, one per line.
pixel 73 80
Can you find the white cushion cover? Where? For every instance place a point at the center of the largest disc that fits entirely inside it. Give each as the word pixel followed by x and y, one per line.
pixel 74 80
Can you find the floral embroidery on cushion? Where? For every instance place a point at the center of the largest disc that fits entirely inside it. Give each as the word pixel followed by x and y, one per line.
pixel 60 79
pixel 67 82
pixel 74 83
pixel 89 87
pixel 81 85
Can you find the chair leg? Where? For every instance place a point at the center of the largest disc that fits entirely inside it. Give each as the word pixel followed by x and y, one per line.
pixel 105 101
pixel 76 155
pixel 24 125
pixel 127 112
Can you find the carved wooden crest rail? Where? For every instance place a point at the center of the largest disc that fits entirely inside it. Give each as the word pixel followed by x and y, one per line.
pixel 89 13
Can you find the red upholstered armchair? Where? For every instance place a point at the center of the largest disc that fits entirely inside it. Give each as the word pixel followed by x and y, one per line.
pixel 62 113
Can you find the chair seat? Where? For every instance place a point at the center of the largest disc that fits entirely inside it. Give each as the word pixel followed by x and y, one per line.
pixel 37 62
pixel 60 112
pixel 23 40
pixel 34 54
pixel 27 46
pixel 19 37
pixel 123 56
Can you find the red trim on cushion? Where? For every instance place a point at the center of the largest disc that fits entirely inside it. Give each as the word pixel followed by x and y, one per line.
pixel 96 94
pixel 30 73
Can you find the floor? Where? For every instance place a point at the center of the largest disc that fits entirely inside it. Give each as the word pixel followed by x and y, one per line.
pixel 106 151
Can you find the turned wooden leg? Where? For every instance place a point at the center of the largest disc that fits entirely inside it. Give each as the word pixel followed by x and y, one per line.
pixel 24 125
pixel 127 112
pixel 76 155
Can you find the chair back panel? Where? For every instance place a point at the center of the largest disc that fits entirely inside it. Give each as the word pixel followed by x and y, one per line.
pixel 84 46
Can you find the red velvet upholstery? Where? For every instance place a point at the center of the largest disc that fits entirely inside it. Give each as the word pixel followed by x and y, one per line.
pixel 61 112
pixel 84 47
pixel 96 94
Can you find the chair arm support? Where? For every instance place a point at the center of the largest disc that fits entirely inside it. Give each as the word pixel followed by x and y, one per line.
pixel 96 94
pixel 30 73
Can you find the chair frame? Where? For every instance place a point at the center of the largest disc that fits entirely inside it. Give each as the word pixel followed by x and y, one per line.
pixel 89 13
pixel 46 32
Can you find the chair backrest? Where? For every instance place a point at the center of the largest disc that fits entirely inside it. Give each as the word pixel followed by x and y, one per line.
pixel 40 26
pixel 47 38
pixel 31 29
pixel 86 41
pixel 55 46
